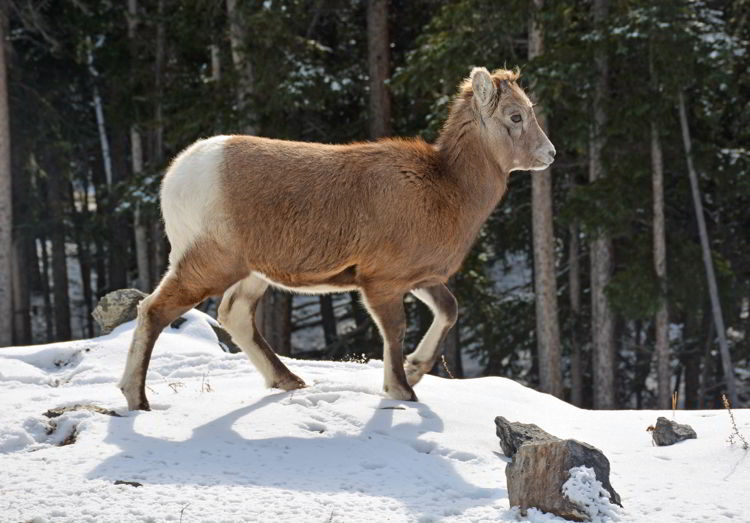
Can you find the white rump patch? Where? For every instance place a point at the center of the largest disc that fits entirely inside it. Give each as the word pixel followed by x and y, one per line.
pixel 190 194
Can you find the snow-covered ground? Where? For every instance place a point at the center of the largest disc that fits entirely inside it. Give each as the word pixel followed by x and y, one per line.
pixel 218 446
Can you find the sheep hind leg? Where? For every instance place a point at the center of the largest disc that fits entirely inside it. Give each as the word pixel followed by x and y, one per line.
pixel 171 298
pixel 237 316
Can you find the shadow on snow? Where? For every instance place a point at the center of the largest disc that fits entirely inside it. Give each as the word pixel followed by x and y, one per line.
pixel 382 460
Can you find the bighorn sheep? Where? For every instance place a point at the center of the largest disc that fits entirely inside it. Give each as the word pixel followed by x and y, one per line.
pixel 383 218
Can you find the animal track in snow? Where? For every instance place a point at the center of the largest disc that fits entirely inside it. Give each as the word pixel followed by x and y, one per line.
pixel 312 400
pixel 423 446
pixel 313 426
pixel 372 465
pixel 460 455
pixel 431 447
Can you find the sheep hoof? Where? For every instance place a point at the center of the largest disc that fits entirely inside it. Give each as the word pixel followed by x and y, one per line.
pixel 290 382
pixel 414 371
pixel 400 392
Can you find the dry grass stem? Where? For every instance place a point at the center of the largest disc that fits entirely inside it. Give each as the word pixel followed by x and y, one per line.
pixel 445 366
pixel 205 384
pixel 735 435
pixel 182 512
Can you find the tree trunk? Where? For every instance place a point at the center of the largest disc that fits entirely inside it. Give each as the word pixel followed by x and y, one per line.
pixel 99 111
pixel 140 224
pixel 21 302
pixel 25 263
pixel 574 284
pixel 215 62
pixel 117 254
pixel 100 252
pixel 661 325
pixel 708 364
pixel 713 290
pixel 80 219
pixel 243 67
pixel 118 250
pixel 159 58
pixel 452 353
pixel 692 363
pixel 328 318
pixel 56 196
pixel 363 341
pixel 46 293
pixel 378 58
pixel 545 279
pixel 6 200
pixel 602 317
pixel 277 321
pixel 158 236
pixel 661 321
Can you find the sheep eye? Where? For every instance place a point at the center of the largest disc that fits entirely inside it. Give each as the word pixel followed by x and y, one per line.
pixel 516 118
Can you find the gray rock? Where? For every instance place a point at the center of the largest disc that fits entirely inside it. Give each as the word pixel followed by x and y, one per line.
pixel 669 432
pixel 225 340
pixel 513 434
pixel 116 308
pixel 540 469
pixel 121 306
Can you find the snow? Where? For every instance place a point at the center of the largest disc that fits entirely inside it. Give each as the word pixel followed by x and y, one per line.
pixel 583 489
pixel 218 446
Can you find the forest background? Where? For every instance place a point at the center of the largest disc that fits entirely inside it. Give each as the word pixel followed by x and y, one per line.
pixel 611 280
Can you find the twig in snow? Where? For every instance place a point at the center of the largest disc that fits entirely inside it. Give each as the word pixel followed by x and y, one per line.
pixel 182 512
pixel 735 434
pixel 205 385
pixel 445 366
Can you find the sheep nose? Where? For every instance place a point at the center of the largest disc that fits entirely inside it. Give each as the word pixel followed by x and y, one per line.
pixel 552 153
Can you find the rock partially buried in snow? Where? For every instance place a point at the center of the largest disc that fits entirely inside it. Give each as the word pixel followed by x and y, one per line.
pixel 540 470
pixel 669 432
pixel 513 434
pixel 120 306
pixel 116 308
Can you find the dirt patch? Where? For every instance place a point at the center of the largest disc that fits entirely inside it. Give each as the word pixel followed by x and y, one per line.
pixel 59 411
pixel 53 425
pixel 131 483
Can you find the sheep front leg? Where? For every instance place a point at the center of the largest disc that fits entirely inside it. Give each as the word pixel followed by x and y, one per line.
pixel 445 309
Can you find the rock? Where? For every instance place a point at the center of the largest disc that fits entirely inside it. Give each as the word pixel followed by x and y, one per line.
pixel 513 434
pixel 670 432
pixel 59 411
pixel 116 308
pixel 121 305
pixel 131 483
pixel 540 469
pixel 225 339
pixel 176 324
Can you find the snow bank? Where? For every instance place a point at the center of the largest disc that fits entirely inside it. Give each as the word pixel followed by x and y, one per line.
pixel 218 446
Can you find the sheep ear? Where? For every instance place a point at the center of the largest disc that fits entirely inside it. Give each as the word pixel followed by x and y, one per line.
pixel 483 86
